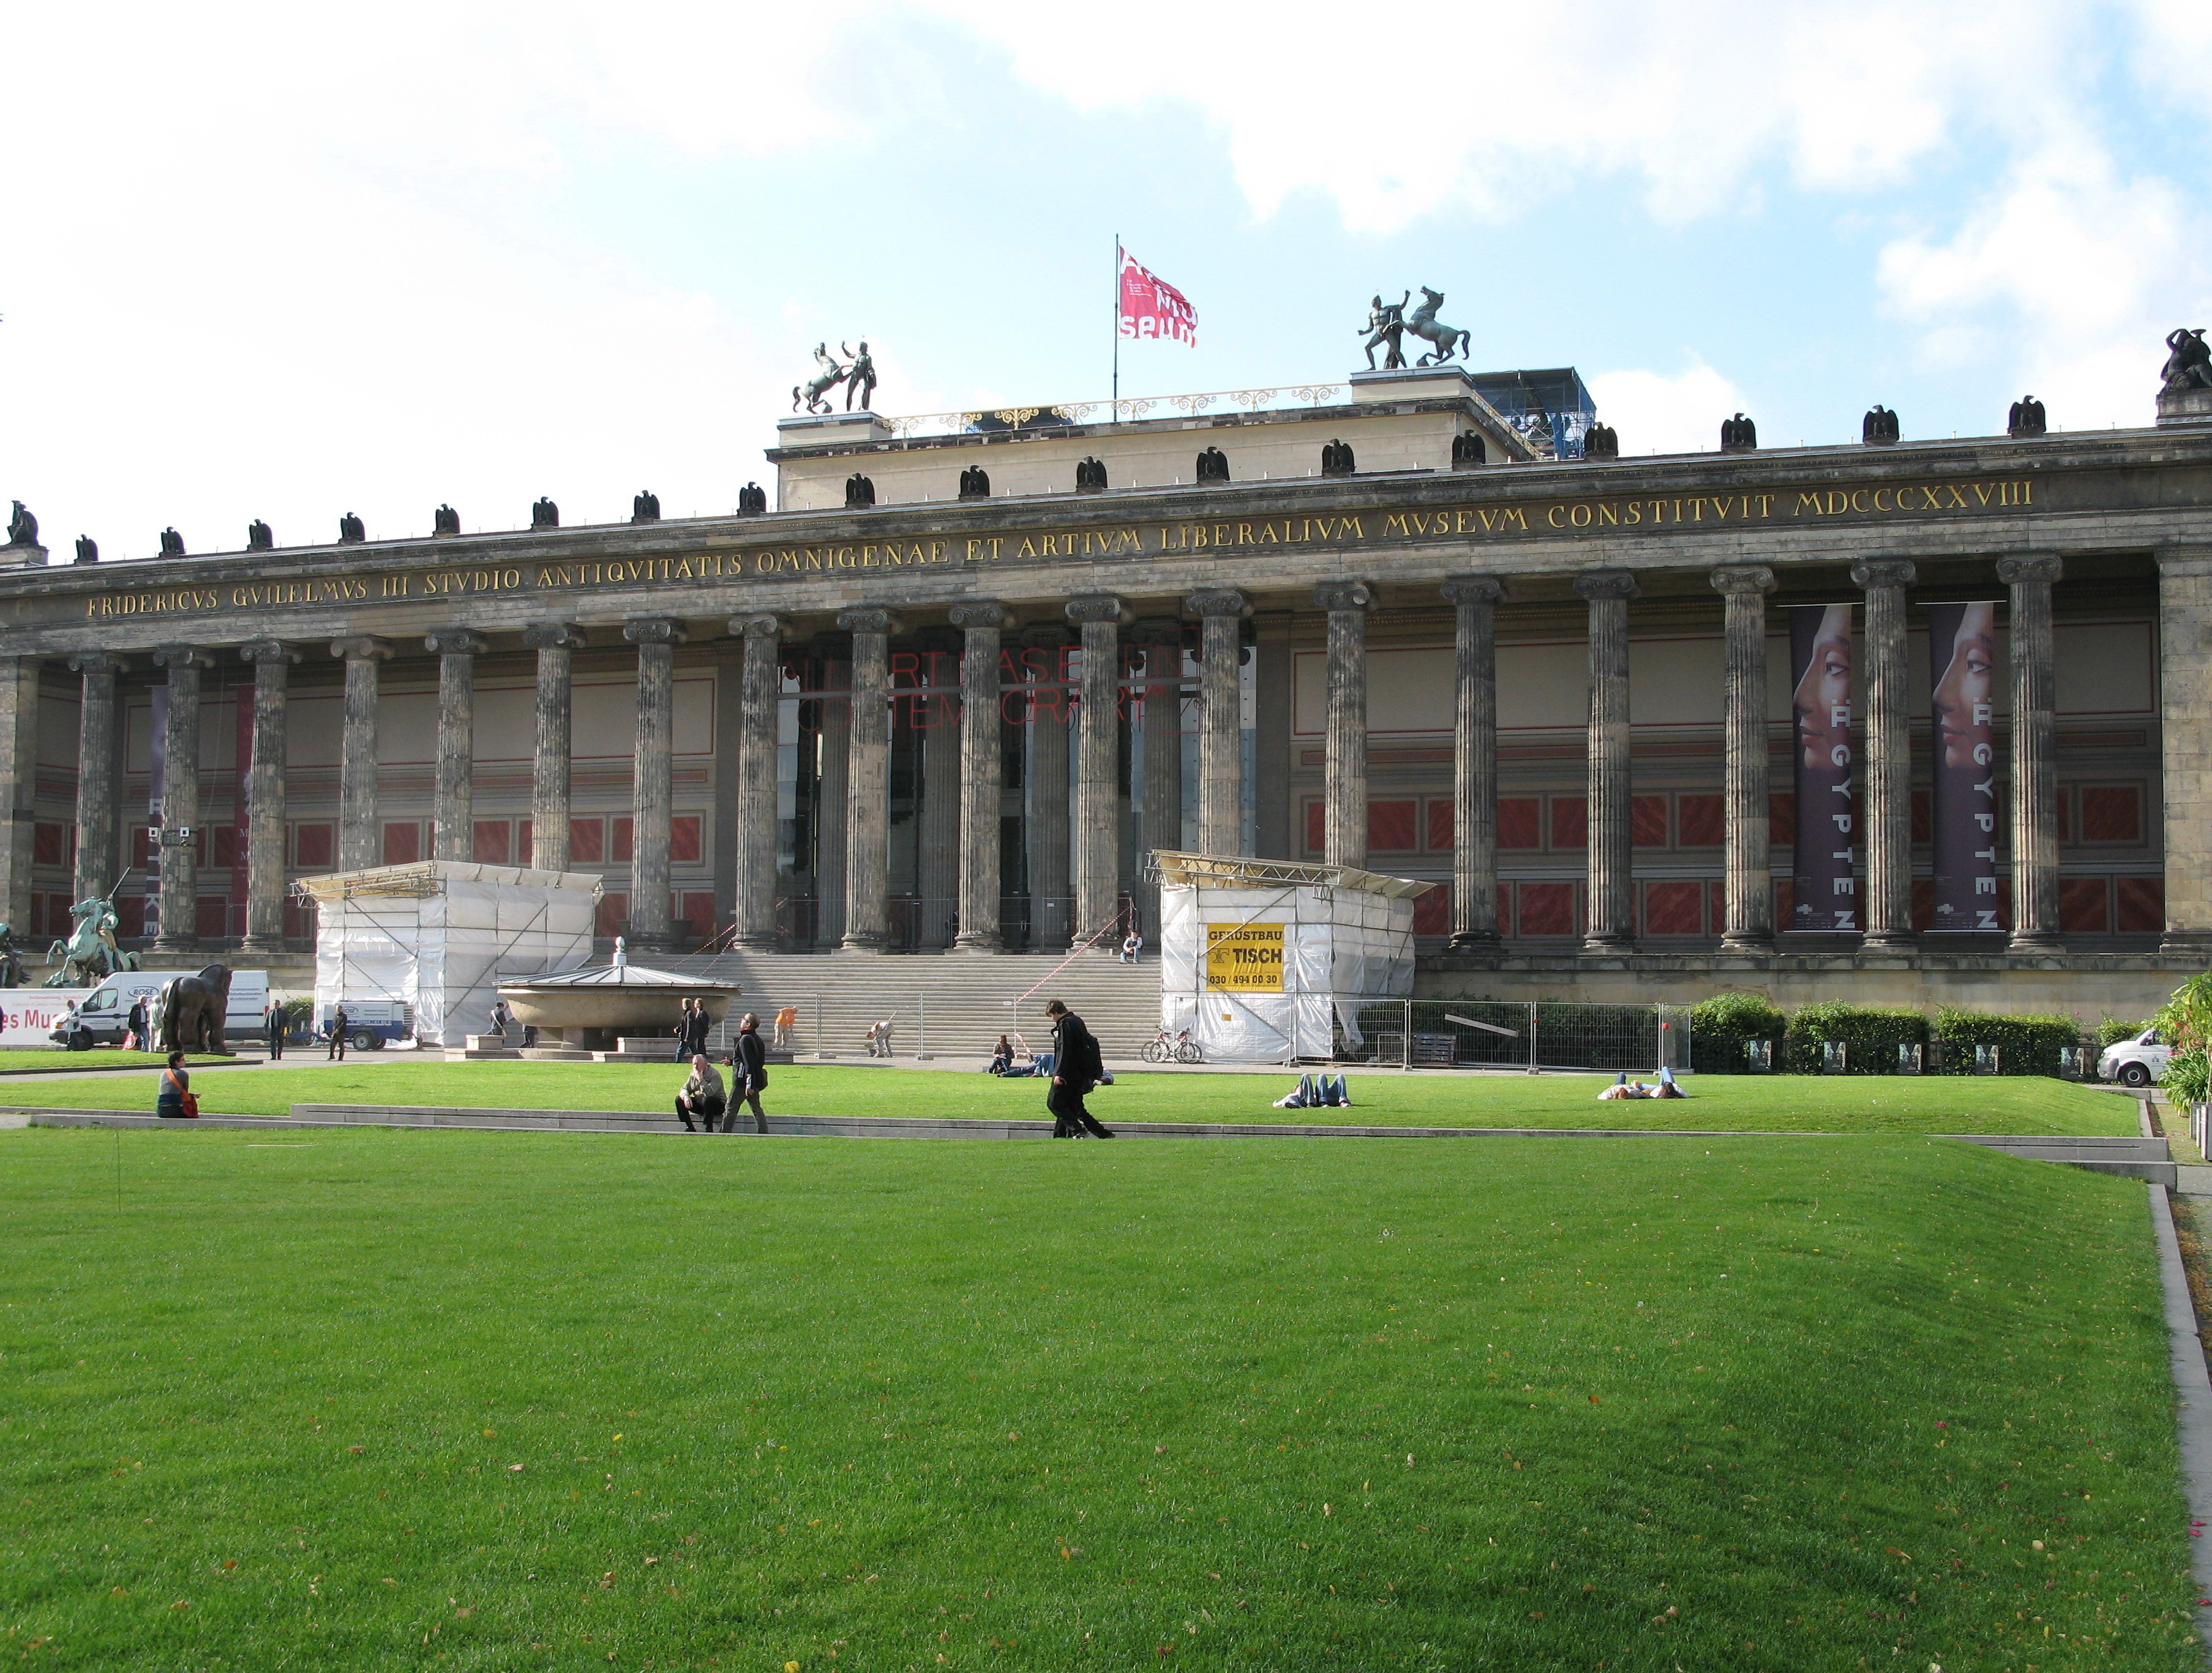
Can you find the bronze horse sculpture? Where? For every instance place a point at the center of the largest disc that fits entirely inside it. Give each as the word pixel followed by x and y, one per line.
pixel 190 1010
pixel 1424 323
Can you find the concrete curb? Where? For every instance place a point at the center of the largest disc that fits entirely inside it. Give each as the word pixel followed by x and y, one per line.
pixel 2192 1388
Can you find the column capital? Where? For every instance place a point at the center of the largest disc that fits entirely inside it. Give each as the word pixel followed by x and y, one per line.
pixel 1872 573
pixel 360 647
pixel 94 662
pixel 756 627
pixel 2015 570
pixel 867 619
pixel 654 630
pixel 1335 596
pixel 1595 584
pixel 1088 607
pixel 268 650
pixel 1217 601
pixel 1473 589
pixel 455 642
pixel 553 636
pixel 1742 577
pixel 980 613
pixel 181 656
pixel 1048 636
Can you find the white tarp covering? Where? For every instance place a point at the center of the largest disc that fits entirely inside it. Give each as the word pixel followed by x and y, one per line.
pixel 1296 949
pixel 437 936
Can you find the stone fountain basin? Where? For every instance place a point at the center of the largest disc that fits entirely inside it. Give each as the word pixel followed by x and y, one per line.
pixel 623 1009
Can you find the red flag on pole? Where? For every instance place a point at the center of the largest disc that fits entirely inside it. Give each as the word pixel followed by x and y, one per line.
pixel 1152 308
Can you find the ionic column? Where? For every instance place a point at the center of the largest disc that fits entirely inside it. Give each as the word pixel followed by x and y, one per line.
pixel 1343 793
pixel 358 847
pixel 983 776
pixel 1098 763
pixel 833 785
pixel 1750 886
pixel 759 692
pixel 2184 674
pixel 1221 611
pixel 96 867
pixel 453 811
pixel 1886 816
pixel 937 873
pixel 555 642
pixel 265 796
pixel 1050 868
pixel 1612 925
pixel 653 791
pixel 2034 747
pixel 1162 637
pixel 867 802
pixel 1474 763
pixel 179 930
pixel 19 772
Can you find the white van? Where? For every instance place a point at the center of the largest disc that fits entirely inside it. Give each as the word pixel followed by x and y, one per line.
pixel 104 1014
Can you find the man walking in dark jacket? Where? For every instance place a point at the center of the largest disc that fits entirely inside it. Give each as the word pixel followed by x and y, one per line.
pixel 748 1074
pixel 1075 1067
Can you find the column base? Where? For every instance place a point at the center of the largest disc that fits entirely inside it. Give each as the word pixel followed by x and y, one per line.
pixel 768 942
pixel 2034 941
pixel 2187 943
pixel 981 940
pixel 1890 941
pixel 1606 947
pixel 867 942
pixel 251 948
pixel 1474 941
pixel 1752 943
pixel 161 946
pixel 658 941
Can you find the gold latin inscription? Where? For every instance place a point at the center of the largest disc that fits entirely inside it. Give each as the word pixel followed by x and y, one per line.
pixel 1370 527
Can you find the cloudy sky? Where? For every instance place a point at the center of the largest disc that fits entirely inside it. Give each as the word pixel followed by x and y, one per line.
pixel 293 261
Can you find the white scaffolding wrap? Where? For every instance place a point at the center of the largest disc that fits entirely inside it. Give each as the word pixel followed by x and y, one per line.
pixel 1265 961
pixel 436 935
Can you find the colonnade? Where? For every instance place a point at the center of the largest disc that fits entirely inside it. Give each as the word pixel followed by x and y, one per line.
pixel 1084 855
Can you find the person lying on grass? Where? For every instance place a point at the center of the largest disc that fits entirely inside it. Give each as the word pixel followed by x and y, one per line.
pixel 1622 1087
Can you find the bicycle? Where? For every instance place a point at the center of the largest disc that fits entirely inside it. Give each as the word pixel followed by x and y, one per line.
pixel 1164 1048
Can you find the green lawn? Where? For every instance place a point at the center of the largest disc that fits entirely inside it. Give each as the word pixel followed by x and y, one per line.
pixel 41 1057
pixel 1782 1103
pixel 382 1399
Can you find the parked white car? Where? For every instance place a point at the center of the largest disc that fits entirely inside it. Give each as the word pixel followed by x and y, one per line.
pixel 2137 1062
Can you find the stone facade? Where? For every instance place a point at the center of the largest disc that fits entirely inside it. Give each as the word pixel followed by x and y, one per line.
pixel 1556 688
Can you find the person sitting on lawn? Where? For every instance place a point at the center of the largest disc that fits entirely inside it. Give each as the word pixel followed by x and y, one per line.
pixel 1002 1059
pixel 701 1096
pixel 172 1097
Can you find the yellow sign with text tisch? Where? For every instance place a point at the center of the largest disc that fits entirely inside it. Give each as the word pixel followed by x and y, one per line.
pixel 1244 958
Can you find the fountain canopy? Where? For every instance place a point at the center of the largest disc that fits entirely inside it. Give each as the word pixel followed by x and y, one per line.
pixel 588 1008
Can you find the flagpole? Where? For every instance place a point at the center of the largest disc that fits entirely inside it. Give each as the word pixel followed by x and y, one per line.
pixel 1117 408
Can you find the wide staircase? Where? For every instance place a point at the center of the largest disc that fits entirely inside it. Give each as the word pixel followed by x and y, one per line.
pixel 943 1004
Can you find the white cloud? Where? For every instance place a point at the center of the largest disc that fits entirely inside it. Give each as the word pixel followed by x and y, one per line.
pixel 1657 413
pixel 2067 271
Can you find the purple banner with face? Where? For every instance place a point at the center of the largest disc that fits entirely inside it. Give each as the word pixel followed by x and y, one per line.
pixel 1962 656
pixel 1826 891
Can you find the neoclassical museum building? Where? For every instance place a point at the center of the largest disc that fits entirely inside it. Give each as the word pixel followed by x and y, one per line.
pixel 1922 720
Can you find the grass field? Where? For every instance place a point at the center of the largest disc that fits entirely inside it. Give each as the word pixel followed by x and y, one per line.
pixel 369 1400
pixel 1782 1103
pixel 38 1059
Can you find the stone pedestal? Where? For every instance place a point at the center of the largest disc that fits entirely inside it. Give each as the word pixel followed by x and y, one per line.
pixel 1474 765
pixel 2185 407
pixel 1612 925
pixel 555 643
pixel 1412 383
pixel 1221 612
pixel 1750 887
pixel 23 557
pixel 265 797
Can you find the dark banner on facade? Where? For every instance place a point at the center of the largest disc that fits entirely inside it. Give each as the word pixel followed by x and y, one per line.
pixel 1962 655
pixel 1826 889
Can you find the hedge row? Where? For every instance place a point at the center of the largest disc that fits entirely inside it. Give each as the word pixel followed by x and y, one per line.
pixel 1721 1027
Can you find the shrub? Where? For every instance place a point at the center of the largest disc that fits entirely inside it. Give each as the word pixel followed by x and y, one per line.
pixel 1720 1026
pixel 1873 1037
pixel 2185 1019
pixel 2111 1031
pixel 2186 1077
pixel 2028 1044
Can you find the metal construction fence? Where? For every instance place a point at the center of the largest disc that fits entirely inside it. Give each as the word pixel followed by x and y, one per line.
pixel 1525 1034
